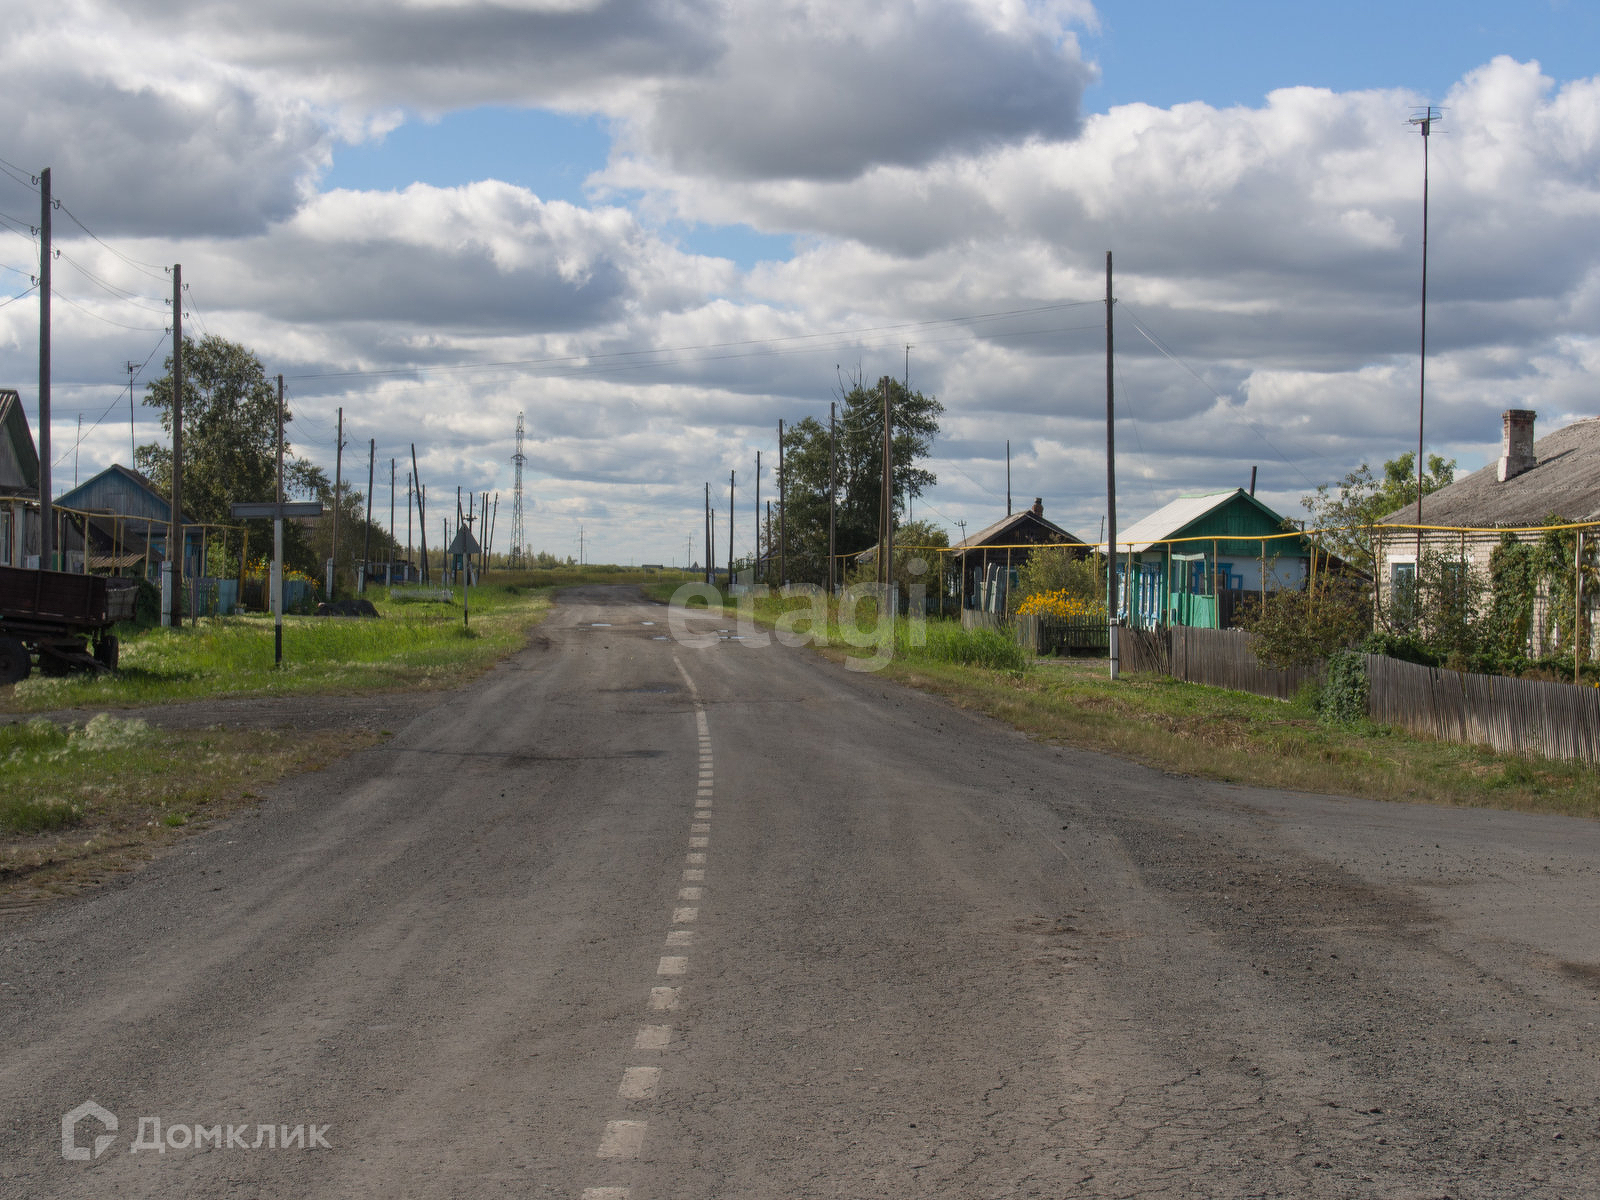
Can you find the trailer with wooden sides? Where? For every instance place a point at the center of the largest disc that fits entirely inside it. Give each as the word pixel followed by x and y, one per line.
pixel 60 619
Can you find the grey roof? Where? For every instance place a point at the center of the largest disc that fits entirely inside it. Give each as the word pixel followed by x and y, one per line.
pixel 999 533
pixel 1565 481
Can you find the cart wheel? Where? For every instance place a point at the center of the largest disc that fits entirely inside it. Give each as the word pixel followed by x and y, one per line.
pixel 14 661
pixel 106 651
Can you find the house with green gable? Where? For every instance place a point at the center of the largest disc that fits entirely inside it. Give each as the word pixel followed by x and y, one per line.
pixel 1196 560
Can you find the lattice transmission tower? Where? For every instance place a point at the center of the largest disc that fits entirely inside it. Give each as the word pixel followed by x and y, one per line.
pixel 516 504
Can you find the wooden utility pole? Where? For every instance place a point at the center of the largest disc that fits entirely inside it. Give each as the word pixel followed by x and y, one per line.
pixel 1008 477
pixel 422 515
pixel 338 467
pixel 1111 483
pixel 46 521
pixel 1577 614
pixel 710 548
pixel 730 529
pixel 886 542
pixel 366 537
pixel 833 487
pixel 783 516
pixel 393 541
pixel 410 484
pixel 175 544
pixel 277 547
pixel 756 562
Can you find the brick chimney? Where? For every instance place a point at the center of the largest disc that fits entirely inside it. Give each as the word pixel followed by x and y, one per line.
pixel 1038 506
pixel 1516 452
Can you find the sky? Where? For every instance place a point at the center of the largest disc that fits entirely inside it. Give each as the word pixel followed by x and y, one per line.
pixel 657 227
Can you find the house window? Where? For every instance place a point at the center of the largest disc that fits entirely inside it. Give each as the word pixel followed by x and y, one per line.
pixel 1403 591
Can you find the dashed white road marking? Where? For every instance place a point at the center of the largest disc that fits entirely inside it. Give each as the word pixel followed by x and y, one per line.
pixel 694 875
pixel 665 999
pixel 691 893
pixel 696 858
pixel 622 1139
pixel 700 841
pixel 653 1037
pixel 639 1083
pixel 609 1193
pixel 681 937
pixel 673 964
pixel 700 826
pixel 685 915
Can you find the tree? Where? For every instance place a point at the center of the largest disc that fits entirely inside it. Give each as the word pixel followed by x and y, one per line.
pixel 858 473
pixel 1347 511
pixel 230 442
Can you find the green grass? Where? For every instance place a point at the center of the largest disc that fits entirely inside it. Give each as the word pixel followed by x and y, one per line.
pixel 409 646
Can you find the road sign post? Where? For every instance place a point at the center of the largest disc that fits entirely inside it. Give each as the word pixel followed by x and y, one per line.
pixel 277 511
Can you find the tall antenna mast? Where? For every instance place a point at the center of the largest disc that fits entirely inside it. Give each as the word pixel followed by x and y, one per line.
pixel 1423 119
pixel 515 561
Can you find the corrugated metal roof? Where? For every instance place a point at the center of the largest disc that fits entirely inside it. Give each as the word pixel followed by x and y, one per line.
pixel 1565 480
pixel 1167 520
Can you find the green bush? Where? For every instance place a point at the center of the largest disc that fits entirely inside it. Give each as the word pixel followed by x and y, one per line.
pixel 1407 647
pixel 1344 690
pixel 948 642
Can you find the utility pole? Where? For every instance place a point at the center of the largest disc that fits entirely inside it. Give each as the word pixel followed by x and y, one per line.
pixel 709 547
pixel 1008 477
pixel 276 582
pixel 422 516
pixel 517 534
pixel 133 441
pixel 730 529
pixel 963 596
pixel 176 555
pixel 886 541
pixel 580 545
pixel 366 537
pixel 393 541
pixel 756 562
pixel 1111 485
pixel 46 521
pixel 338 467
pixel 783 516
pixel 833 487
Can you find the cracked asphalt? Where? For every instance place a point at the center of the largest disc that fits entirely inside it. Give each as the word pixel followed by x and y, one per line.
pixel 927 957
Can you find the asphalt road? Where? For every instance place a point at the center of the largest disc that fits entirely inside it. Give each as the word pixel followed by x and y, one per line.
pixel 633 918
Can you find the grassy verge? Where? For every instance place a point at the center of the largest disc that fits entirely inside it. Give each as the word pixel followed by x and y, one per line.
pixel 1204 731
pixel 81 802
pixel 410 646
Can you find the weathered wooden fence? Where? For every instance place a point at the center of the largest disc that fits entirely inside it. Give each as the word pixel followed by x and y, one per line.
pixel 1054 635
pixel 1223 658
pixel 976 618
pixel 1143 650
pixel 1518 716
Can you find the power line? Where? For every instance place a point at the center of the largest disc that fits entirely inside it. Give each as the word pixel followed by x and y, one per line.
pixel 598 361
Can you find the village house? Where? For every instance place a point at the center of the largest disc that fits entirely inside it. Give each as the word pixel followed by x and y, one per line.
pixel 1194 561
pixel 126 523
pixel 19 484
pixel 987 561
pixel 1534 483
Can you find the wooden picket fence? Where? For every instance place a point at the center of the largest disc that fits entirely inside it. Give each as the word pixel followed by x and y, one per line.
pixel 1516 716
pixel 1144 650
pixel 1223 658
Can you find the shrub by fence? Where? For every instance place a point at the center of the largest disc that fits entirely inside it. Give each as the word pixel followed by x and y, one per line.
pixel 1516 716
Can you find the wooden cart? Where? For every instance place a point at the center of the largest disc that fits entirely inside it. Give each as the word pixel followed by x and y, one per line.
pixel 61 619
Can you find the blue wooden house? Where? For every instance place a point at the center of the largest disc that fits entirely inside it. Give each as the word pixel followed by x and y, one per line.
pixel 125 522
pixel 1195 560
